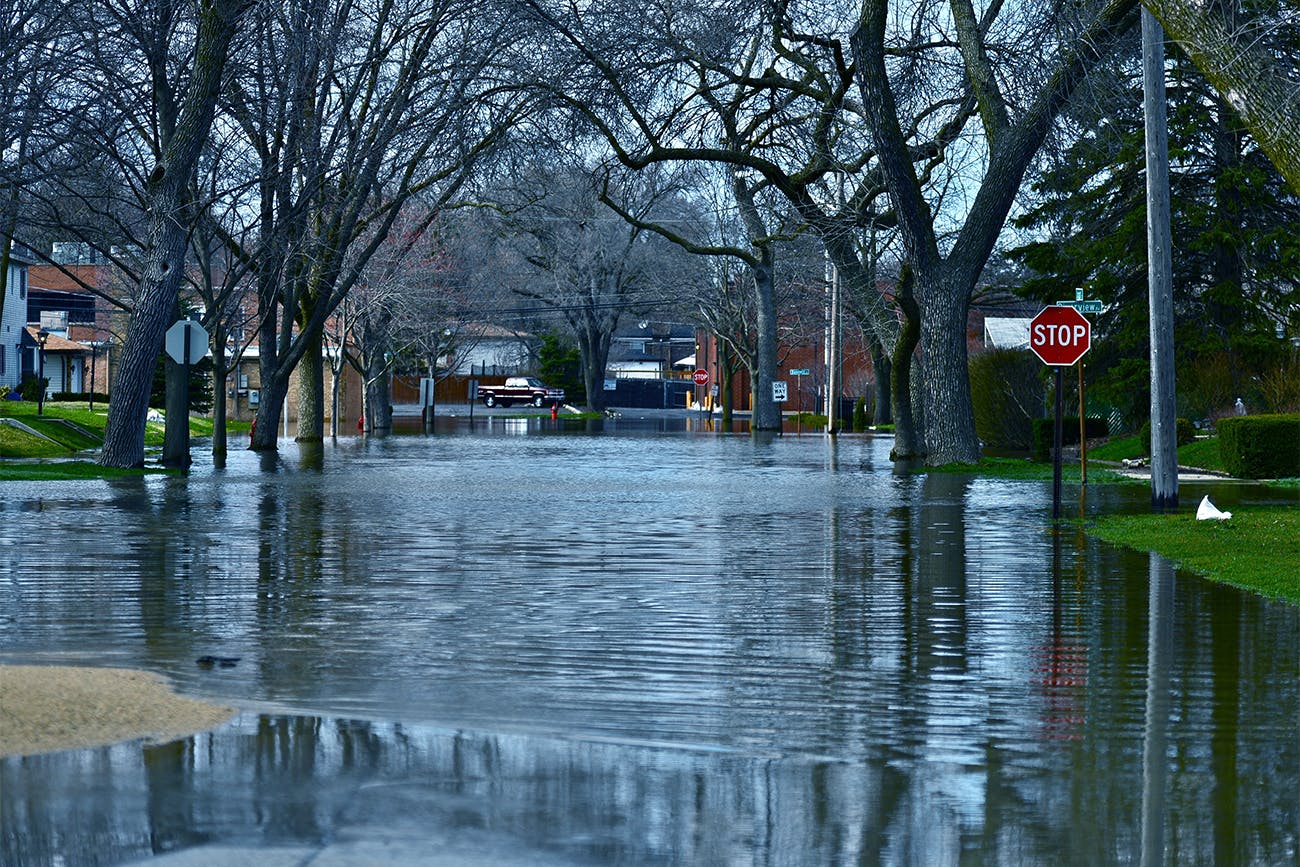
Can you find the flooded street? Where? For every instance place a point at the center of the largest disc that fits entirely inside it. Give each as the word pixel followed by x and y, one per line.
pixel 633 644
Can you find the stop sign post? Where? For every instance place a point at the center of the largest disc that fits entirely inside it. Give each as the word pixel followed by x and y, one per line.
pixel 186 343
pixel 1060 336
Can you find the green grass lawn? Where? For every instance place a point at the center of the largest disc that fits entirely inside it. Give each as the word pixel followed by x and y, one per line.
pixel 1257 549
pixel 1020 468
pixel 64 470
pixel 1202 454
pixel 68 440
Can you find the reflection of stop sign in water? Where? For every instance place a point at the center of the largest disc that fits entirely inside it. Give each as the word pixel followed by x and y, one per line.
pixel 1060 335
pixel 701 377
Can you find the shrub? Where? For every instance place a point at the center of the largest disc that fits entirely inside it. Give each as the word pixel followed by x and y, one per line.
pixel 1260 446
pixel 1044 433
pixel 1184 433
pixel 1006 388
pixel 860 421
pixel 30 389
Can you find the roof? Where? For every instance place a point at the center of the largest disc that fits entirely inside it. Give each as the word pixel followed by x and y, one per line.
pixel 1007 332
pixel 56 342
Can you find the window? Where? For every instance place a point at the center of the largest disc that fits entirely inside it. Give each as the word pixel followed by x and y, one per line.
pixel 2 361
pixel 22 282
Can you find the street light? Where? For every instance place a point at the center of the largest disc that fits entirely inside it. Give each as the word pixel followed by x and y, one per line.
pixel 41 337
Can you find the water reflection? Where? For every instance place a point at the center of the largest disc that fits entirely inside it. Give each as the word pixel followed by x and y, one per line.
pixel 625 647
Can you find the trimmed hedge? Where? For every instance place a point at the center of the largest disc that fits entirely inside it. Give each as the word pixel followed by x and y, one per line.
pixel 1260 446
pixel 1005 383
pixel 1043 433
pixel 100 397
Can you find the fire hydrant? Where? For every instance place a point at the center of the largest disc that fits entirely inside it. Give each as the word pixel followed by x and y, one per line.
pixel 555 410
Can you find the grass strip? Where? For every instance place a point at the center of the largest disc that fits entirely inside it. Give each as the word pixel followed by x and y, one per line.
pixel 1019 468
pixel 1257 549
pixel 65 470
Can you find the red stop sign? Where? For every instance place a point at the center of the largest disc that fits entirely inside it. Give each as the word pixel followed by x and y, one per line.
pixel 701 376
pixel 1060 335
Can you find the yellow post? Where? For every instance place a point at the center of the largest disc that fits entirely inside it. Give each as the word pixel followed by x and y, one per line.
pixel 1083 432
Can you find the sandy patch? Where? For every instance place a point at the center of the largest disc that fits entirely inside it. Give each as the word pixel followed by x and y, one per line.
pixel 50 707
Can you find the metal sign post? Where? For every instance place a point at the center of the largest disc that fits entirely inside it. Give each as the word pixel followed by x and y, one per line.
pixel 186 343
pixel 1059 336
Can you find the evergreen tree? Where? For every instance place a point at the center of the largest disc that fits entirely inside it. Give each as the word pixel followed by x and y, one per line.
pixel 1236 250
pixel 560 366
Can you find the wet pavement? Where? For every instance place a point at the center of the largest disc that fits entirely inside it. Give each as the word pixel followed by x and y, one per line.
pixel 643 642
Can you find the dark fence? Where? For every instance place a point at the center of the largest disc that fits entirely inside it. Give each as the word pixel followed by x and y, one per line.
pixel 649 393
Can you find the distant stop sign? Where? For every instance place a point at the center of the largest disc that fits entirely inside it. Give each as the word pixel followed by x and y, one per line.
pixel 701 377
pixel 1060 336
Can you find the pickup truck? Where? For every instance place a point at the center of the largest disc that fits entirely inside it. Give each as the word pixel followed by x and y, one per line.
pixel 520 389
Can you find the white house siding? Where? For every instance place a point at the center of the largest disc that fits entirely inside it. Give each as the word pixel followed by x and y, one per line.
pixel 11 324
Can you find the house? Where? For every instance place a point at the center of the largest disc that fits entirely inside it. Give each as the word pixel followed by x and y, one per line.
pixel 62 362
pixel 483 348
pixel 1006 332
pixel 652 350
pixel 14 320
pixel 70 287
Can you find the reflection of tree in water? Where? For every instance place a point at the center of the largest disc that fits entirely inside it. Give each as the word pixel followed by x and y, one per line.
pixel 293 612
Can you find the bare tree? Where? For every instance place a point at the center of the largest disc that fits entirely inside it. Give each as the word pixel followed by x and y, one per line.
pixel 184 105
pixel 912 101
pixel 587 263
pixel 33 46
pixel 350 111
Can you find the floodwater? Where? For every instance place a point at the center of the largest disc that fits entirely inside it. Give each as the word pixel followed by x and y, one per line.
pixel 629 643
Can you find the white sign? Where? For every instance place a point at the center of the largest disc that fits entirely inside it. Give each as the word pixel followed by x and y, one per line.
pixel 177 344
pixel 779 392
pixel 611 385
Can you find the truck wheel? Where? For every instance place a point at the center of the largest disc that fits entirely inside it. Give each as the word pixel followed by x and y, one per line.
pixel 489 400
pixel 538 400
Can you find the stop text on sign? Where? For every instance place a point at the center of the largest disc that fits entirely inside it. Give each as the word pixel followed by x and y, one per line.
pixel 1060 335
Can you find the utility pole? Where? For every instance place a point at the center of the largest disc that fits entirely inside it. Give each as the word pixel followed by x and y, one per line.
pixel 833 364
pixel 1164 437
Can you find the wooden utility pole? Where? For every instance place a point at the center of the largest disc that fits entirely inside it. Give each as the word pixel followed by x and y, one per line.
pixel 833 363
pixel 1164 438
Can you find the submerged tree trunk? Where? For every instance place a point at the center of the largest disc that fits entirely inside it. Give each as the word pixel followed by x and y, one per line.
pixel 311 390
pixel 883 409
pixel 766 412
pixel 593 347
pixel 379 405
pixel 949 412
pixel 907 444
pixel 219 372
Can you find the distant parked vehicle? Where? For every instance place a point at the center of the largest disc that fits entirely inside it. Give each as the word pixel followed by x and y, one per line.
pixel 520 389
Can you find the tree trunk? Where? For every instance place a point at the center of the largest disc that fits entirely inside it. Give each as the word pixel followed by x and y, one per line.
pixel 882 411
pixel 907 445
pixel 165 239
pixel 266 424
pixel 379 405
pixel 949 413
pixel 219 373
pixel 311 390
pixel 593 347
pixel 766 412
